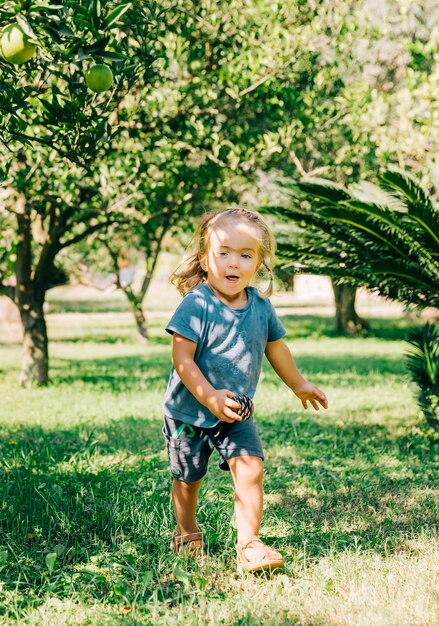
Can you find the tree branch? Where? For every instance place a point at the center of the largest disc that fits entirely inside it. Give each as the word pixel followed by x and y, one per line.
pixel 304 173
pixel 45 265
pixel 83 277
pixel 89 231
pixel 264 79
pixel 7 290
pixel 49 142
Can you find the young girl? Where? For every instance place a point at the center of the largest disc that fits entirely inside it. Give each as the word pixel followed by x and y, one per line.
pixel 221 331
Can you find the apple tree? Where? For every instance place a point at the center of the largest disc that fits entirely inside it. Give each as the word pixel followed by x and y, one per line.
pixel 53 129
pixel 46 100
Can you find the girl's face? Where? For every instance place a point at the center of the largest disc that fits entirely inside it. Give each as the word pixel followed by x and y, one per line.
pixel 231 260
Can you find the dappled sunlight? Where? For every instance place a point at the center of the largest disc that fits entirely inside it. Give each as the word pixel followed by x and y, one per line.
pixel 98 462
pixel 349 491
pixel 130 434
pixel 72 612
pixel 312 327
pixel 371 589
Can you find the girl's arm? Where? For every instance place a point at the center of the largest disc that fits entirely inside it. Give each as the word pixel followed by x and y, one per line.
pixel 281 360
pixel 218 401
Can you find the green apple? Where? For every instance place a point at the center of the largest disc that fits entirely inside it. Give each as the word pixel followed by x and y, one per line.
pixel 99 78
pixel 15 46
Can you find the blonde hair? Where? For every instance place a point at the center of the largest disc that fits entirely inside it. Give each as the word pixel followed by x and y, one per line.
pixel 190 273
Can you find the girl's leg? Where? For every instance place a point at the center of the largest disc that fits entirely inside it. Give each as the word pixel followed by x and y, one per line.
pixel 247 472
pixel 185 499
pixel 253 555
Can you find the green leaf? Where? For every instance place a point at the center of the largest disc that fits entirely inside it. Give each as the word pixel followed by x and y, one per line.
pixel 121 589
pixel 201 583
pixel 111 56
pixel 98 7
pixel 182 575
pixel 59 549
pixel 423 364
pixel 79 10
pixel 147 577
pixel 51 108
pixel 50 560
pixel 420 205
pixel 25 27
pixel 116 14
pixel 66 31
pixel 46 6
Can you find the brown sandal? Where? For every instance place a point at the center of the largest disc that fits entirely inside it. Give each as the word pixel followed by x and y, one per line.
pixel 261 557
pixel 191 544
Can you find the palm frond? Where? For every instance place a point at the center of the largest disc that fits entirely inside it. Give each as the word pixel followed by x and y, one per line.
pixel 423 364
pixel 380 229
pixel 323 189
pixel 373 236
pixel 398 227
pixel 370 192
pixel 419 203
pixel 353 217
pixel 405 282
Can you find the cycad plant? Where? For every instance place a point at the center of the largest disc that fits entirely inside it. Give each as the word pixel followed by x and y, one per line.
pixel 423 365
pixel 384 237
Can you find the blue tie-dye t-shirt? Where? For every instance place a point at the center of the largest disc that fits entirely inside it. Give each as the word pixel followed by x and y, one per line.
pixel 230 348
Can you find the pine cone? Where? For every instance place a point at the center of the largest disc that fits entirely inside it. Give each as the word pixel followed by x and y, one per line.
pixel 246 409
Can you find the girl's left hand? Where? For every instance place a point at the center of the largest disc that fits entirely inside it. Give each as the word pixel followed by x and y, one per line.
pixel 308 392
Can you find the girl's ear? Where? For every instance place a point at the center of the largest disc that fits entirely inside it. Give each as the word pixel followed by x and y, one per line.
pixel 202 260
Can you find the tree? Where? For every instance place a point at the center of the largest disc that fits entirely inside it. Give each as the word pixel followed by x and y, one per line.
pixel 224 90
pixel 48 113
pixel 198 129
pixel 384 237
pixel 48 210
pixel 300 105
pixel 366 100
pixel 46 101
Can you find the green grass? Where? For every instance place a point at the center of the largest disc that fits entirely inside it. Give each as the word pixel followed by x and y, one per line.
pixel 350 492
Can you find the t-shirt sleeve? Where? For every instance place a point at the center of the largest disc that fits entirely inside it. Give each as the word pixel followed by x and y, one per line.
pixel 276 329
pixel 187 319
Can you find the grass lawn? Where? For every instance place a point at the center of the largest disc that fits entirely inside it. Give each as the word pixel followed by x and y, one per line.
pixel 86 520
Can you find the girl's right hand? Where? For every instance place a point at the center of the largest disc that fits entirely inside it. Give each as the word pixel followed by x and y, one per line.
pixel 220 403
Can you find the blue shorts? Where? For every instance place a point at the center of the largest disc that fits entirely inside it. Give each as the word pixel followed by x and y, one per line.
pixel 190 447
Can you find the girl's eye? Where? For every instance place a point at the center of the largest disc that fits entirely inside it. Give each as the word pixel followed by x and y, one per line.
pixel 246 256
pixel 223 253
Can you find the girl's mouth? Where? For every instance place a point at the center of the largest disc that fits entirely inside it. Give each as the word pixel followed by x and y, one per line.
pixel 232 279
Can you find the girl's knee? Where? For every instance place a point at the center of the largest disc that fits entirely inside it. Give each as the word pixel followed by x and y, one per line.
pixel 182 485
pixel 249 468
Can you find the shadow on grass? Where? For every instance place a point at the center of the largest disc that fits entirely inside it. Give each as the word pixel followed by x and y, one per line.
pixel 146 372
pixel 298 327
pixel 100 499
pixel 118 374
pixel 107 305
pixel 356 486
pixel 324 479
pixel 346 367
pixel 129 337
pixel 99 495
pixel 315 326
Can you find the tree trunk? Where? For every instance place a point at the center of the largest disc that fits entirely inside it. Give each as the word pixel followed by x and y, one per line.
pixel 139 316
pixel 35 361
pixel 347 320
pixel 29 297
